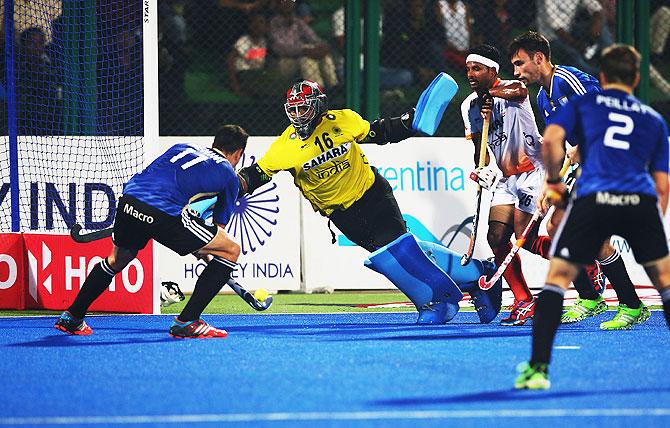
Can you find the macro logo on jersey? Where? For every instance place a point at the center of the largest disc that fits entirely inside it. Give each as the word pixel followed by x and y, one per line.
pixel 254 215
pixel 329 155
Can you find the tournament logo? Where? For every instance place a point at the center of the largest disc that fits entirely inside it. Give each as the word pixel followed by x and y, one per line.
pixel 254 216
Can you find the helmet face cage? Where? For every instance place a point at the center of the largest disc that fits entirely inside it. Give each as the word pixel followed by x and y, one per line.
pixel 305 103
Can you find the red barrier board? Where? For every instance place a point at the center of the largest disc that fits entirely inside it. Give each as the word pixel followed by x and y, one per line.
pixel 12 271
pixel 57 266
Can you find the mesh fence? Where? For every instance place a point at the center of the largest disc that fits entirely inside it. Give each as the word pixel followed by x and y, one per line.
pixel 231 60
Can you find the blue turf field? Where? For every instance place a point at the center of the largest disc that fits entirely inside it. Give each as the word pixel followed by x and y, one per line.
pixel 353 370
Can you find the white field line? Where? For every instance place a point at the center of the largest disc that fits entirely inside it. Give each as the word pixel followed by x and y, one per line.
pixel 337 416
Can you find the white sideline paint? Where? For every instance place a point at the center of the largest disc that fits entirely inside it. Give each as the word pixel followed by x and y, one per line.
pixel 567 347
pixel 336 416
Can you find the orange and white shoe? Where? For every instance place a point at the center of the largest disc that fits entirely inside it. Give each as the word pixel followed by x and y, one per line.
pixel 71 325
pixel 197 329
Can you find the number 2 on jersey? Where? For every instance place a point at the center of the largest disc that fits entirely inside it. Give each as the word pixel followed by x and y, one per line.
pixel 199 157
pixel 614 130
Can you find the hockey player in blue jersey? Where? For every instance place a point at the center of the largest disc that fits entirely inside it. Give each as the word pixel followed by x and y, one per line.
pixel 530 54
pixel 155 205
pixel 623 190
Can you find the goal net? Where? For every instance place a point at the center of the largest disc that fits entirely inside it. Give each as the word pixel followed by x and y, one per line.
pixel 72 119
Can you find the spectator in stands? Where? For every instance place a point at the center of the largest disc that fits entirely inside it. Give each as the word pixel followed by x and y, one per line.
pixel 34 14
pixel 248 74
pixel 575 30
pixel 660 29
pixel 390 79
pixel 455 17
pixel 39 93
pixel 172 51
pixel 217 24
pixel 415 40
pixel 298 49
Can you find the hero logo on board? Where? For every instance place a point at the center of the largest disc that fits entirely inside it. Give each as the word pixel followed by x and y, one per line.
pixel 44 271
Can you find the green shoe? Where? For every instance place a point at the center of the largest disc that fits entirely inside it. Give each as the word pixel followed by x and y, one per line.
pixel 583 309
pixel 626 318
pixel 532 377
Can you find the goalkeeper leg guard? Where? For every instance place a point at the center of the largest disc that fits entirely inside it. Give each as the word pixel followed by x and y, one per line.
pixel 432 291
pixel 487 303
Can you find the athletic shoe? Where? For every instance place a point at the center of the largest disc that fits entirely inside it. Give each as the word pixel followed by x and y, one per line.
pixel 198 329
pixel 597 277
pixel 626 318
pixel 583 309
pixel 71 325
pixel 521 312
pixel 532 377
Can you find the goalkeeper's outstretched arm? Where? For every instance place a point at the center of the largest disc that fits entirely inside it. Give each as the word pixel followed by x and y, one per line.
pixel 251 178
pixel 390 130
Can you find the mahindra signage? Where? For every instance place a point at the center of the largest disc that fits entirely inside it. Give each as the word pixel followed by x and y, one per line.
pixel 47 271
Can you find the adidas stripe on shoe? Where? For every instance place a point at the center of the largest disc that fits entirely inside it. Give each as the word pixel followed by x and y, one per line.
pixel 198 329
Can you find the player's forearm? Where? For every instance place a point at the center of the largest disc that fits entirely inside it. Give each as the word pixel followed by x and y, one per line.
pixel 390 130
pixel 515 92
pixel 553 151
pixel 662 189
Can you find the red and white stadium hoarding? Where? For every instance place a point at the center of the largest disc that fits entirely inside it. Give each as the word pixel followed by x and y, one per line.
pixel 45 271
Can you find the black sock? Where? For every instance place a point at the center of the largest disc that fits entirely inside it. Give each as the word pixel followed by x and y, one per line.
pixel 547 318
pixel 665 297
pixel 211 280
pixel 584 287
pixel 615 269
pixel 95 284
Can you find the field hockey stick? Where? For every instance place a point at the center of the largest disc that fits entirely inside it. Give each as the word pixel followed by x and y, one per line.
pixel 248 297
pixel 537 216
pixel 83 238
pixel 475 219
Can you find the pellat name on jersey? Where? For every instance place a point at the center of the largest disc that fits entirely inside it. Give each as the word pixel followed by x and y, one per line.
pixel 620 104
pixel 606 198
pixel 326 156
pixel 129 209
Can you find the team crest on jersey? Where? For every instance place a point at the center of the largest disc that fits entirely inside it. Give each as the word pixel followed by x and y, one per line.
pixel 293 136
pixel 326 156
pixel 337 130
pixel 330 116
pixel 255 215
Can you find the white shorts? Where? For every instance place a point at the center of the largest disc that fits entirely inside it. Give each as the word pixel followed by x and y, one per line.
pixel 520 190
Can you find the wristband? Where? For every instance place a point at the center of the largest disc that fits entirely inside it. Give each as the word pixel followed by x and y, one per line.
pixel 553 181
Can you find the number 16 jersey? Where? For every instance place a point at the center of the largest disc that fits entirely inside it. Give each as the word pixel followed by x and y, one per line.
pixel 329 167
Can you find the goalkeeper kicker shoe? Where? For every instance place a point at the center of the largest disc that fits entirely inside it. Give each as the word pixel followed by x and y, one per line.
pixel 626 318
pixel 71 325
pixel 583 309
pixel 532 377
pixel 197 329
pixel 521 312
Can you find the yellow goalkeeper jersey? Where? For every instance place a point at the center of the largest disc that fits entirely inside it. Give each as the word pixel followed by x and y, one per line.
pixel 329 168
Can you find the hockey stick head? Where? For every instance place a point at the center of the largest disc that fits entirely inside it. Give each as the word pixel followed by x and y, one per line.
pixel 82 238
pixel 484 284
pixel 260 306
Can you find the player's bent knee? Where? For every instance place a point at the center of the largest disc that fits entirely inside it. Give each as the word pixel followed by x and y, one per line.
pixel 120 258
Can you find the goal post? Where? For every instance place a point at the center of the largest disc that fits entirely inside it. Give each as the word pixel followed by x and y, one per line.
pixel 80 115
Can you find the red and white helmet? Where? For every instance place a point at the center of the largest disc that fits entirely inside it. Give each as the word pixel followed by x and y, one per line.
pixel 305 103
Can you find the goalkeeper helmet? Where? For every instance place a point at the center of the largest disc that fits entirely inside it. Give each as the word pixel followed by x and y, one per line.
pixel 305 104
